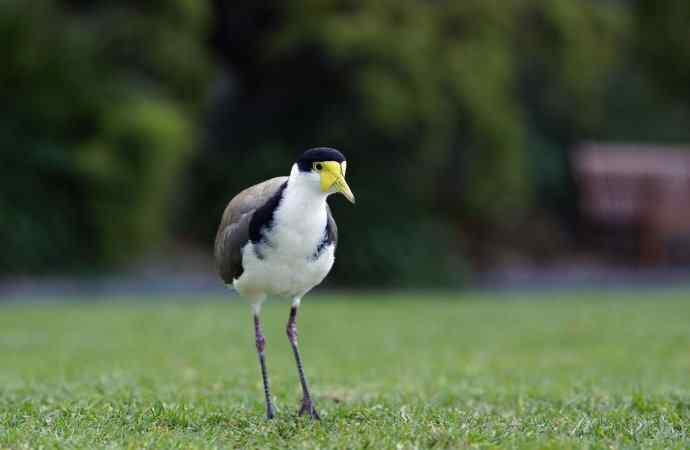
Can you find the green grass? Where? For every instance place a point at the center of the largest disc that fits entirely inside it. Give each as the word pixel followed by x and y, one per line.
pixel 411 371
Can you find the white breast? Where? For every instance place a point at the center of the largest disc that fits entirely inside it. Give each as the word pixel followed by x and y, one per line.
pixel 287 266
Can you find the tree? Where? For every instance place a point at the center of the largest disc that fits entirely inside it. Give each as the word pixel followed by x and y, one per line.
pixel 97 118
pixel 434 103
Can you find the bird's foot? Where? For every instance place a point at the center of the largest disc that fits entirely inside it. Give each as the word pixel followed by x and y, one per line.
pixel 308 408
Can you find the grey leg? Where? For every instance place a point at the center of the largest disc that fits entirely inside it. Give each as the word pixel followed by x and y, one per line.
pixel 260 345
pixel 307 403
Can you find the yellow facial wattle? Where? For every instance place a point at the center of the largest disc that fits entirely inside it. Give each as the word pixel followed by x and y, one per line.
pixel 333 176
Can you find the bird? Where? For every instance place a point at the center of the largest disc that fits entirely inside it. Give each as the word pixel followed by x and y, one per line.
pixel 278 239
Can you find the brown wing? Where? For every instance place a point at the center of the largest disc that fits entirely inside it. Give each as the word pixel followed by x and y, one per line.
pixel 233 232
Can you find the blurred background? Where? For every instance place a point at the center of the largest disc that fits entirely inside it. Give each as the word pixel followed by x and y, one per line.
pixel 518 143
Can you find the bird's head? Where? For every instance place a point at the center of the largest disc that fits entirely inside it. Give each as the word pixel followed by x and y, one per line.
pixel 325 168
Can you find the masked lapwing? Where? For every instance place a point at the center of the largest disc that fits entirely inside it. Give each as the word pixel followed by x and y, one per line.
pixel 278 238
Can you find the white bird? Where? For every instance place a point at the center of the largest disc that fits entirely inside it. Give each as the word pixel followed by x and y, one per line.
pixel 278 238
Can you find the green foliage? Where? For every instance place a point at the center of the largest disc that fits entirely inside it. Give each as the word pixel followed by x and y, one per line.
pixel 457 118
pixel 435 104
pixel 662 39
pixel 654 103
pixel 95 124
pixel 134 153
pixel 569 51
pixel 595 370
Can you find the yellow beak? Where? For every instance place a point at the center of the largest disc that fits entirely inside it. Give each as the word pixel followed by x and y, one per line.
pixel 333 177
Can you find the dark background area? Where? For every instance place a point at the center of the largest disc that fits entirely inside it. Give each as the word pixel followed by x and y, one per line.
pixel 125 128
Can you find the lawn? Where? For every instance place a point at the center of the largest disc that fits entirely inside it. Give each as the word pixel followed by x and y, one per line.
pixel 596 370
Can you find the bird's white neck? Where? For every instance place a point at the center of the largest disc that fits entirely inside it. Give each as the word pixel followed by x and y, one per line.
pixel 303 188
pixel 300 219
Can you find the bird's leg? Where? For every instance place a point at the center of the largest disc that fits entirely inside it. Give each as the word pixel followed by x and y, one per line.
pixel 260 345
pixel 307 403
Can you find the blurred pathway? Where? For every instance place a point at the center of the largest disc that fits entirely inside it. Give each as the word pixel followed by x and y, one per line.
pixel 575 276
pixel 181 284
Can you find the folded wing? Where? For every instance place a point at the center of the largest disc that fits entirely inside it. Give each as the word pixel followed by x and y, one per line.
pixel 233 232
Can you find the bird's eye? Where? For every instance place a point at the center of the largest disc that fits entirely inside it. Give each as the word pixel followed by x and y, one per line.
pixel 318 166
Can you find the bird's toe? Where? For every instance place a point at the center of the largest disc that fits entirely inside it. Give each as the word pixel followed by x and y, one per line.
pixel 308 408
